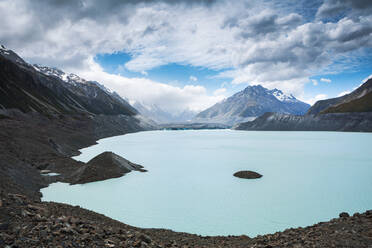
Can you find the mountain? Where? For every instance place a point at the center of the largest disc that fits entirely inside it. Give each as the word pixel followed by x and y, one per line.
pixel 53 93
pixel 339 103
pixel 250 103
pixel 352 112
pixel 159 115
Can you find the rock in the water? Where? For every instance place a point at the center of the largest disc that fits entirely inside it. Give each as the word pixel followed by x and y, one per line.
pixel 105 166
pixel 247 174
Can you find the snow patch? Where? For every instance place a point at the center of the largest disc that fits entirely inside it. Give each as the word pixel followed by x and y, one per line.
pixel 281 96
pixel 3 48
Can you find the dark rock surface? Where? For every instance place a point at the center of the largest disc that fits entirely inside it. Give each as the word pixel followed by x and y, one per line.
pixel 104 166
pixel 247 174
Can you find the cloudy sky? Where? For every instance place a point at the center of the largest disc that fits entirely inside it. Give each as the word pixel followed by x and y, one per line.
pixel 191 54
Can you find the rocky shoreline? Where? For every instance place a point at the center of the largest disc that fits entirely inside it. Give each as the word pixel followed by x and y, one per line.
pixel 31 223
pixel 31 143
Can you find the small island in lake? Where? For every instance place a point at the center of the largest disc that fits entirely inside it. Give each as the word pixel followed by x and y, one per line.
pixel 247 174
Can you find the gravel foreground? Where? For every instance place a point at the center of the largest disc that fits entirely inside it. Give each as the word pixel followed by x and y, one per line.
pixel 25 221
pixel 29 223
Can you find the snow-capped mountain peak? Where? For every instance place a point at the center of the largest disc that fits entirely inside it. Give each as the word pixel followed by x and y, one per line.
pixel 49 71
pixel 281 96
pixel 75 78
pixel 68 78
pixel 250 103
pixel 9 54
pixel 3 48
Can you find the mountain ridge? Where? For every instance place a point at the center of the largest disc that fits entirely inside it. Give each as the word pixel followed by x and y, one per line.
pixel 322 105
pixel 46 90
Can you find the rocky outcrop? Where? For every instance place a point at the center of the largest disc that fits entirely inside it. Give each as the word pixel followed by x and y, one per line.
pixel 104 166
pixel 247 174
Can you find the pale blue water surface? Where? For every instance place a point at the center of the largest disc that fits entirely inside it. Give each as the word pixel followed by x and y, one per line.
pixel 308 177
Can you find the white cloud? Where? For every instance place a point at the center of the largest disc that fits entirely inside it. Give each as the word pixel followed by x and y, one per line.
pixel 167 97
pixel 253 42
pixel 318 97
pixel 326 80
pixel 220 91
pixel 193 78
pixel 315 82
pixel 144 73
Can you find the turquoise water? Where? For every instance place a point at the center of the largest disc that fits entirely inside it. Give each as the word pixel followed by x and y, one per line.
pixel 308 177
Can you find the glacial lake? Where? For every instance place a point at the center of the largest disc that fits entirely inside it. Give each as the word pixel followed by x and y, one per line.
pixel 308 177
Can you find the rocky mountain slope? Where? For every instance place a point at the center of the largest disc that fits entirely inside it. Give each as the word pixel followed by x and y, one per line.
pixel 362 104
pixel 250 103
pixel 50 91
pixel 329 104
pixel 360 122
pixel 352 112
